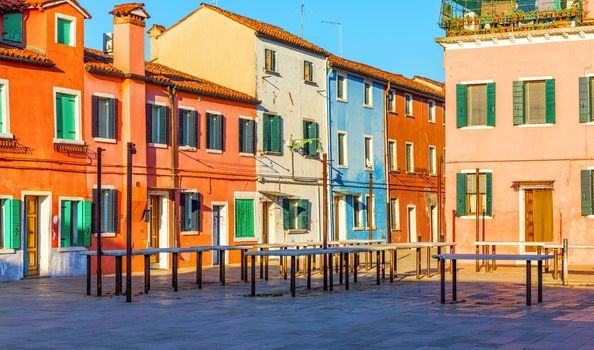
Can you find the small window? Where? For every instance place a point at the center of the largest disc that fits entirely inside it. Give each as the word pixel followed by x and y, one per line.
pixel 10 224
pixel 342 149
pixel 67 114
pixel 392 156
pixel 308 71
pixel 296 214
pixel 368 152
pixel 75 223
pixel 368 94
pixel 190 211
pixel 13 27
pixel 410 158
pixel 214 132
pixel 432 161
pixel 109 210
pixel 310 133
pixel 358 211
pixel 395 214
pixel 535 102
pixel 104 117
pixel 392 101
pixel 471 193
pixel 477 104
pixel 4 109
pixel 433 231
pixel 188 128
pixel 341 87
pixel 408 99
pixel 65 30
pixel 247 138
pixel 272 134
pixel 431 106
pixel 270 63
pixel 244 219
pixel 370 203
pixel 158 124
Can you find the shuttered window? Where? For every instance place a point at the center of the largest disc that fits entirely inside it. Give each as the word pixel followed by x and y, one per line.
pixel 310 132
pixel 392 156
pixel 13 27
pixel 187 128
pixel 587 192
pixel 410 157
pixel 65 31
pixel 392 101
pixel 4 112
pixel 214 132
pixel 247 132
pixel 466 194
pixel 534 102
pixel 395 214
pixel 10 224
pixel 358 211
pixel 475 105
pixel 408 105
pixel 272 133
pixel 75 223
pixel 109 210
pixel 270 60
pixel 585 98
pixel 105 117
pixel 158 124
pixel 308 71
pixel 296 214
pixel 244 218
pixel 190 208
pixel 66 106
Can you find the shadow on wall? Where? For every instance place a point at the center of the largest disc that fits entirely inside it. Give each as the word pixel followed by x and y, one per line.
pixel 11 266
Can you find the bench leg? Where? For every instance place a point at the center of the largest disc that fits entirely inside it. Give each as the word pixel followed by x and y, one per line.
pixel 118 275
pixel 442 284
pixel 242 273
pixel 253 276
pixel 147 273
pixel 324 261
pixel 340 266
pixel 174 277
pixel 199 269
pixel 331 272
pixel 89 275
pixel 346 271
pixel 222 267
pixel 494 262
pixel 377 267
pixel 293 276
pixel 356 267
pixel 309 272
pixel 383 265
pixel 540 281
pixel 428 272
pixel 392 267
pixel 454 281
pixel 266 268
pixel 438 265
pixel 261 266
pixel 418 259
pixel 528 283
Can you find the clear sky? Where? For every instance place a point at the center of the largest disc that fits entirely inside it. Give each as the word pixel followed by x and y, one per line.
pixel 394 35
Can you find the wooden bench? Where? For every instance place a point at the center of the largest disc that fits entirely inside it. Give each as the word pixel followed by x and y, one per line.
pixel 528 258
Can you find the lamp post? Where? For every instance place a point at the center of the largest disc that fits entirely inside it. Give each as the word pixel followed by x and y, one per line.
pixel 98 222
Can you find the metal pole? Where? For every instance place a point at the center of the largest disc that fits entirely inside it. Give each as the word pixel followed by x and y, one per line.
pixel 325 200
pixel 565 261
pixel 477 210
pixel 370 207
pixel 98 222
pixel 131 152
pixel 440 237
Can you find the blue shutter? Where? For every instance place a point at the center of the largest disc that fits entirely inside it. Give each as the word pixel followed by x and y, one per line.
pixel 13 27
pixel 550 98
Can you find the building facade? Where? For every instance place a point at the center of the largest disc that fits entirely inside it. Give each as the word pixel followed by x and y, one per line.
pixel 520 148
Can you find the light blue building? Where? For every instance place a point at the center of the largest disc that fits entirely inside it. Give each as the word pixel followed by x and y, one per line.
pixel 356 112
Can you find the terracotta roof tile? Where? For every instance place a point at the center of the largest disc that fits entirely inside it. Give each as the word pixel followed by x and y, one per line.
pixel 97 61
pixel 20 5
pixel 127 9
pixel 12 53
pixel 364 69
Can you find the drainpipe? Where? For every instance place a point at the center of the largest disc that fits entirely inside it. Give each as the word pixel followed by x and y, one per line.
pixel 329 165
pixel 387 165
pixel 171 92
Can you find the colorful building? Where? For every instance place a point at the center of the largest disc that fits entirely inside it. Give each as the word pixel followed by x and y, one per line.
pixel 288 75
pixel 522 103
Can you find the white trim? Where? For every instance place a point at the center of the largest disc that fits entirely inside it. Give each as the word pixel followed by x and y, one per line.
pixel 6 134
pixel 72 28
pixel 158 145
pixel 104 187
pixel 186 108
pixel 370 83
pixel 406 156
pixel 345 98
pixel 71 249
pixel 432 110
pixel 365 137
pixel 247 117
pixel 157 103
pixel 589 75
pixel 215 151
pixel 213 112
pixel 69 142
pixel 393 92
pixel 101 94
pixel 476 82
pixel 473 171
pixel 223 225
pixel 535 78
pixel 412 105
pixel 77 116
pixel 104 140
pixel 395 153
pixel 346 148
pixel 587 168
pixel 241 154
pixel 408 223
pixel 5 251
pixel 187 148
pixel 477 127
pixel 432 158
pixel 535 125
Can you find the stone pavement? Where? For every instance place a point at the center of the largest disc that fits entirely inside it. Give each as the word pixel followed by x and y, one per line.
pixel 55 313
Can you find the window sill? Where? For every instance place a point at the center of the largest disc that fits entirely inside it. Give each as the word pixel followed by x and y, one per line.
pixel 277 74
pixel 393 113
pixel 477 127
pixel 69 142
pixel 7 251
pixel 190 233
pixel 364 228
pixel 296 231
pixel 72 249
pixel 535 125
pixel 473 217
pixel 432 121
pixel 6 136
pixel 395 171
pixel 251 155
pixel 268 153
pixel 188 148
pixel 368 169
pixel 368 106
pixel 344 100
pixel 157 145
pixel 106 234
pixel 410 116
pixel 343 166
pixel 244 239
pixel 311 83
pixel 104 140
pixel 410 173
pixel 67 45
pixel 215 151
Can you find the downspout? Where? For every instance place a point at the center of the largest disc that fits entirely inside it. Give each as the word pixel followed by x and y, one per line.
pixel 387 165
pixel 171 92
pixel 330 168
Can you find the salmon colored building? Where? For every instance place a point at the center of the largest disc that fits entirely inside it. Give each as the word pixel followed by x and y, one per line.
pixel 193 172
pixel 520 114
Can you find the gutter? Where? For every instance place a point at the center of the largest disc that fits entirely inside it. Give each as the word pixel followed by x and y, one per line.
pixel 27 60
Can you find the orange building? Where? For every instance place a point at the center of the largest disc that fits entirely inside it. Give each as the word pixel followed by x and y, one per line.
pixel 194 170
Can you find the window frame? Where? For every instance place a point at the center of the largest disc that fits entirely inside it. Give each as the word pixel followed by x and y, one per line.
pixel 392 155
pixel 192 110
pixel 408 105
pixel 344 97
pixel 344 150
pixel 395 221
pixel 274 68
pixel 365 166
pixel 115 126
pixel 432 160
pixel 74 239
pixel 392 103
pixel 311 71
pixel 113 233
pixel 467 172
pixel 240 197
pixel 432 111
pixel 182 226
pixel 208 114
pixel 164 106
pixel 368 92
pixel 77 116
pixel 373 221
pixel 358 212
pixel 254 133
pixel 73 25
pixel 280 134
pixel 409 158
pixel 5 110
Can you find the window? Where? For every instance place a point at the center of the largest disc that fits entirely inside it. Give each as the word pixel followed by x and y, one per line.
pixel 308 71
pixel 432 161
pixel 395 214
pixel 342 149
pixel 67 109
pixel 296 214
pixel 587 192
pixel 75 223
pixel 189 211
pixel 13 27
pixel 247 139
pixel 4 110
pixel 433 231
pixel 410 158
pixel 310 132
pixel 157 130
pixel 368 94
pixel 270 60
pixel 109 210
pixel 10 224
pixel 188 128
pixel 368 152
pixel 392 156
pixel 475 105
pixel 214 132
pixel 341 87
pixel 467 192
pixel 408 105
pixel 411 213
pixel 358 211
pixel 392 101
pixel 586 99
pixel 272 134
pixel 370 203
pixel 65 30
pixel 431 106
pixel 244 218
pixel 534 102
pixel 105 117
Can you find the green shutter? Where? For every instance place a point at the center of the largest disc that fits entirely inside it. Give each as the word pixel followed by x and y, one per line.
pixel 249 139
pixel 194 129
pixel 12 224
pixel 195 212
pixel 287 214
pixel 13 27
pixel 489 189
pixel 59 117
pixel 586 176
pixel 244 218
pixel 303 214
pixel 182 212
pixel 585 100
pixel 84 223
pixel 65 117
pixel 275 134
pixel 491 104
pixel 267 135
pixel 460 194
pixel 550 94
pixel 461 106
pixel 519 103
pixel 65 224
pixel 312 134
pixel 64 28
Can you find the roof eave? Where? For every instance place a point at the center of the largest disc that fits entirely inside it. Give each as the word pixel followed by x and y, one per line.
pixel 27 60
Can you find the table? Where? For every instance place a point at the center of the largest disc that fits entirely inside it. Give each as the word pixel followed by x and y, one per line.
pixel 528 258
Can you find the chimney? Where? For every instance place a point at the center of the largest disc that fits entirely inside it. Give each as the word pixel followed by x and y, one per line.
pixel 154 33
pixel 128 37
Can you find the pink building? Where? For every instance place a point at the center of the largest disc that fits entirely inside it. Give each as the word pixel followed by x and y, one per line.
pixel 519 83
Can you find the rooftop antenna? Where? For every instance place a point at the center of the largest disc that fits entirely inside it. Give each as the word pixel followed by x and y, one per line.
pixel 339 26
pixel 216 2
pixel 302 16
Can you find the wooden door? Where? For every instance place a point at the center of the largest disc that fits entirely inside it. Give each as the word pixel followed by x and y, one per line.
pixel 32 232
pixel 538 223
pixel 265 238
pixel 155 225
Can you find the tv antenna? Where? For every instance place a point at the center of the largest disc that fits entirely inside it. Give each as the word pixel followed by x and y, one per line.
pixel 339 27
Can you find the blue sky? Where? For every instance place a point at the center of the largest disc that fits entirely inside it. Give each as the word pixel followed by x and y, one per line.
pixel 394 35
